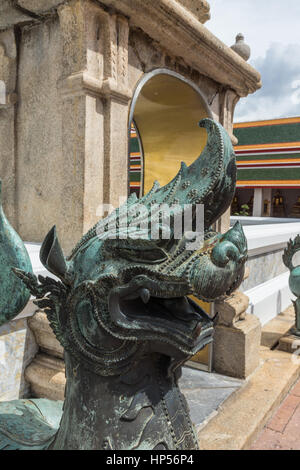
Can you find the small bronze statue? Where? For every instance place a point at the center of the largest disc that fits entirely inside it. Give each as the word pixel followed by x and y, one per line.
pixel 294 279
pixel 122 313
pixel 278 205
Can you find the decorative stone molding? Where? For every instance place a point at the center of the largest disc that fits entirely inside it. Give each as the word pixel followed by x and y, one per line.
pixel 10 15
pixel 232 309
pixel 186 35
pixel 82 83
pixel 44 335
pixel 46 375
pixel 188 38
pixel 228 101
pixel 13 12
pixel 38 7
pixel 199 8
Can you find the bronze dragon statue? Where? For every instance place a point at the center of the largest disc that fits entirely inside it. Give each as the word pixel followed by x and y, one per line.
pixel 122 311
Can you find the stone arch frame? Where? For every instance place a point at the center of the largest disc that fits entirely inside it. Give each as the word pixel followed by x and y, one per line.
pixel 140 144
pixel 137 91
pixel 2 93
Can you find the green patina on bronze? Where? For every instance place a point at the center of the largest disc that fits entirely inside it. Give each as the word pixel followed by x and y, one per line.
pixel 29 424
pixel 13 293
pixel 294 279
pixel 121 310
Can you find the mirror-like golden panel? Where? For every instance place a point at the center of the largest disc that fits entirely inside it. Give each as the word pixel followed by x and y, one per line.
pixel 167 113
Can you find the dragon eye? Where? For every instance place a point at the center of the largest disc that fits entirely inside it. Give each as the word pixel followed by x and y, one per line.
pixel 86 322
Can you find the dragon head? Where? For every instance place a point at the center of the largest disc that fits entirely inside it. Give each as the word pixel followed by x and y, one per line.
pixel 125 288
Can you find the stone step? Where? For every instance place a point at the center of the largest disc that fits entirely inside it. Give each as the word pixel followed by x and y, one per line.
pixel 46 376
pixel 44 335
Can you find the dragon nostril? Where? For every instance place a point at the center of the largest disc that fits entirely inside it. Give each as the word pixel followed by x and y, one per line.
pixel 224 252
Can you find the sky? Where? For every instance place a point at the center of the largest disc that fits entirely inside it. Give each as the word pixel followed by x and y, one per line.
pixel 272 30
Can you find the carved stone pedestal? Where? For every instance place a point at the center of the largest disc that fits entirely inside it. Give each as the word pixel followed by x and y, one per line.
pixel 44 335
pixel 46 373
pixel 237 338
pixel 46 376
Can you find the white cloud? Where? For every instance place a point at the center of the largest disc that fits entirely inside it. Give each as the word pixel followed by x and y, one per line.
pixel 280 93
pixel 271 28
pixel 262 22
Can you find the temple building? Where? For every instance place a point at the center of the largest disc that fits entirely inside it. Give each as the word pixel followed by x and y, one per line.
pixel 268 160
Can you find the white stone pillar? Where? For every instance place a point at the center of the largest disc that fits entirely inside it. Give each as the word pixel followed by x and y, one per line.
pixel 258 202
pixel 267 199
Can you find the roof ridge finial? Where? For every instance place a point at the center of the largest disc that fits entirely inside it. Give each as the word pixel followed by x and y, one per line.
pixel 240 47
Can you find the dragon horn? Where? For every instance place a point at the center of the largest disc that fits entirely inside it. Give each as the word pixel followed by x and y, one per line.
pixel 51 255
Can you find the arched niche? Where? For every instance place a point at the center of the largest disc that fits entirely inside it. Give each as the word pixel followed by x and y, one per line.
pixel 165 112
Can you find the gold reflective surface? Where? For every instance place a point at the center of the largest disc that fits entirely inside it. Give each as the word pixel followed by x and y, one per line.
pixel 167 113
